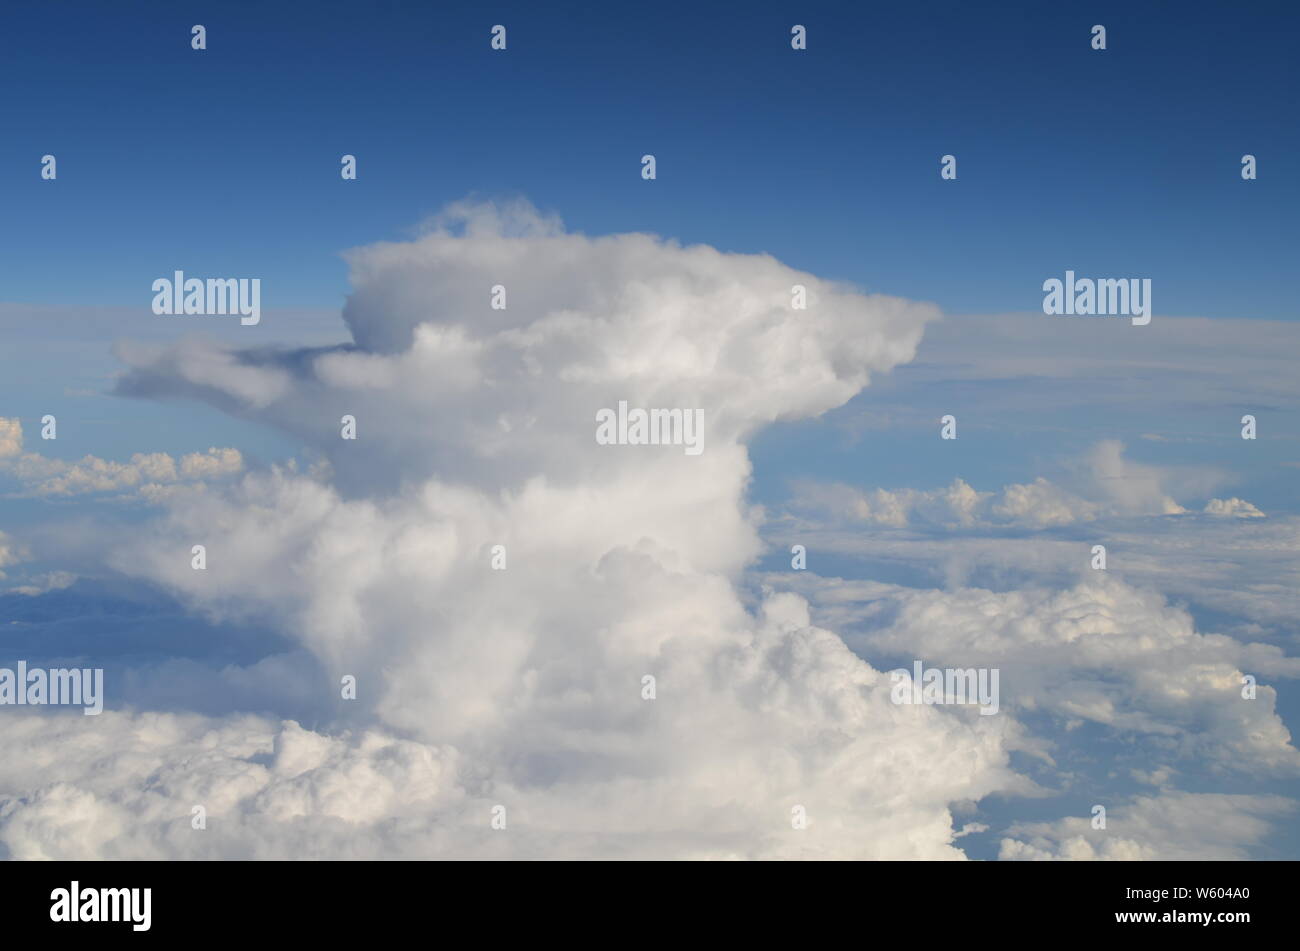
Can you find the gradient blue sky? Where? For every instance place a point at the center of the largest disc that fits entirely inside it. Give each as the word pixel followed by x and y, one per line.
pixel 1122 162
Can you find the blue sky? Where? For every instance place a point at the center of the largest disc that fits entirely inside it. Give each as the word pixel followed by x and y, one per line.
pixel 1116 163
pixel 228 158
pixel 1110 163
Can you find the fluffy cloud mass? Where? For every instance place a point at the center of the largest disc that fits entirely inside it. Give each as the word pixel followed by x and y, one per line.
pixel 524 687
pixel 443 384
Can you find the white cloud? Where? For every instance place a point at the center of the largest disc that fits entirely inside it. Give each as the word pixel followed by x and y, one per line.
pixel 1101 651
pixel 524 686
pixel 1244 569
pixel 144 473
pixel 1041 504
pixel 957 506
pixel 50 581
pixel 439 382
pixel 1129 487
pixel 10 553
pixel 11 437
pixel 1102 484
pixel 1234 507
pixel 1174 826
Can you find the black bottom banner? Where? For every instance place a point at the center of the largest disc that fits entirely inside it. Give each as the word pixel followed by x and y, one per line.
pixel 1215 901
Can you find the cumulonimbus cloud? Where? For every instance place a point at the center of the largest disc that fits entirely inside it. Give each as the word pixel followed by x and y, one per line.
pixel 442 383
pixel 526 687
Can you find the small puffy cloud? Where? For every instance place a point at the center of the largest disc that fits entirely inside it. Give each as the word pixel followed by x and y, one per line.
pixel 1041 504
pixel 143 473
pixel 958 505
pixel 10 553
pixel 1153 777
pixel 1232 508
pixel 213 464
pixel 11 436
